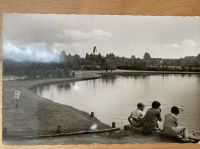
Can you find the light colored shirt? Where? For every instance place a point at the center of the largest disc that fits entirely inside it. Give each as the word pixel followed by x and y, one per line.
pixel 171 120
pixel 171 125
pixel 137 114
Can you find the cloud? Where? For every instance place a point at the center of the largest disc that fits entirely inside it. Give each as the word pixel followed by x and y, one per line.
pixel 182 48
pixel 72 48
pixel 189 43
pixel 101 35
pixel 174 45
pixel 123 35
pixel 186 43
pixel 70 41
pixel 29 52
pixel 77 35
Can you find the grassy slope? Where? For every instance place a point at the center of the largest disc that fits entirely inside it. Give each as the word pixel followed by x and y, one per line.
pixel 37 115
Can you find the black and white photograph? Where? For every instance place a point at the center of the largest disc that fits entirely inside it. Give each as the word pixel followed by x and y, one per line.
pixel 100 79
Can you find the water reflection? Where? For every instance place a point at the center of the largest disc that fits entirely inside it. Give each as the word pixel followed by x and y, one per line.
pixel 137 76
pixel 66 85
pixel 118 95
pixel 109 79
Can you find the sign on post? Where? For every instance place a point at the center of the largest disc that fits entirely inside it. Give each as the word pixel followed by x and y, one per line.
pixel 16 97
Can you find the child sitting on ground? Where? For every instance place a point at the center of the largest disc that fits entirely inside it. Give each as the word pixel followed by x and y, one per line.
pixel 171 127
pixel 136 116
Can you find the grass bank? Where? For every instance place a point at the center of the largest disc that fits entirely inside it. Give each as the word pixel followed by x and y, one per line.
pixel 38 116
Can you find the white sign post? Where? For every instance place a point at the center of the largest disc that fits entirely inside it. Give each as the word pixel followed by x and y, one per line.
pixel 16 97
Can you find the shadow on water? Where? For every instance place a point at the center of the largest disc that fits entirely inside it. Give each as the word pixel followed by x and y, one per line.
pixel 175 75
pixel 61 85
pixel 109 78
pixel 198 78
pixel 65 85
pixel 143 76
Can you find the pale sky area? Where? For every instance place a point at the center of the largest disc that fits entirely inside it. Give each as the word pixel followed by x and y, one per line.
pixel 41 37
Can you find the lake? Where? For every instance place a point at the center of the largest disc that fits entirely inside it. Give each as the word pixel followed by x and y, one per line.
pixel 113 97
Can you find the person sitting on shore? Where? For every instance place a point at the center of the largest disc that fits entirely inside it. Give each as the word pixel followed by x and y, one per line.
pixel 171 127
pixel 136 116
pixel 151 118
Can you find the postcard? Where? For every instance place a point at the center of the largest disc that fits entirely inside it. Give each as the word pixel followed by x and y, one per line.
pixel 103 79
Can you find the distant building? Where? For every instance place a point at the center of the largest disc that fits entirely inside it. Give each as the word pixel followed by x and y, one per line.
pixel 155 61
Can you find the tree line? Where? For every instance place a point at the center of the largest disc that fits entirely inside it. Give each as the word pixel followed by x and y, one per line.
pixel 96 61
pixel 110 61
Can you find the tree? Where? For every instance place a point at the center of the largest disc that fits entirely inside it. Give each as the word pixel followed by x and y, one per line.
pixel 147 56
pixel 104 64
pixel 198 59
pixel 110 58
pixel 62 57
pixel 94 50
pixel 133 57
pixel 99 58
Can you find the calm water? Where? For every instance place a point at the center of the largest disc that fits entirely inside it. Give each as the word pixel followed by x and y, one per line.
pixel 112 98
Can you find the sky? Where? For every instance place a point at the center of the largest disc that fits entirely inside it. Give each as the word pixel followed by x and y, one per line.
pixel 42 37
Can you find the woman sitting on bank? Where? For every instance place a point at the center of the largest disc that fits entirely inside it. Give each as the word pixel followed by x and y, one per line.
pixel 151 118
pixel 171 127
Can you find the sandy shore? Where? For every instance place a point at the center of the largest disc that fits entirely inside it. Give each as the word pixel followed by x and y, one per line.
pixel 37 116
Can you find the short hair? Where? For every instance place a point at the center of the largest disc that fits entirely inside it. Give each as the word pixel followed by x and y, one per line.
pixel 156 104
pixel 175 110
pixel 140 105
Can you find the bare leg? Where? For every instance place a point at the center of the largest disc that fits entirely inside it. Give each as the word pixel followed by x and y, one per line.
pixel 185 133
